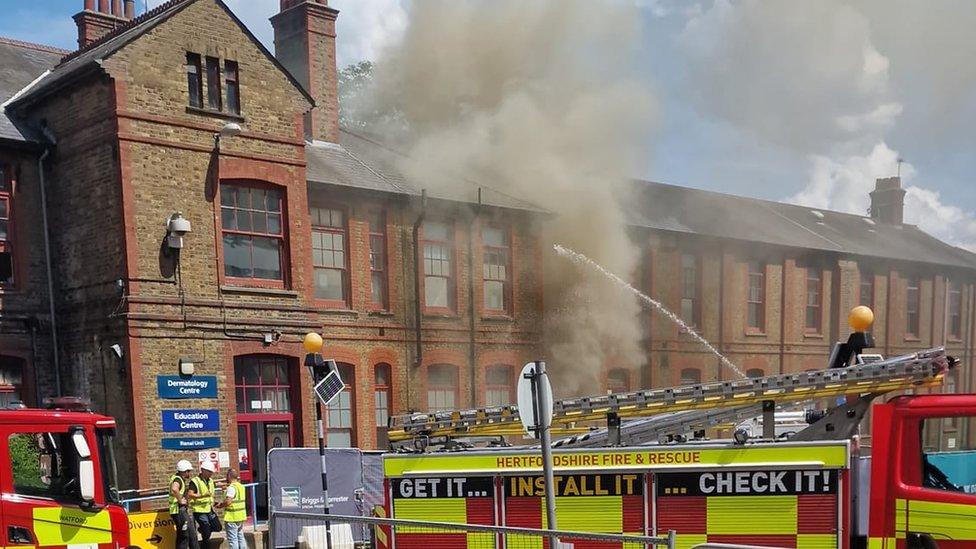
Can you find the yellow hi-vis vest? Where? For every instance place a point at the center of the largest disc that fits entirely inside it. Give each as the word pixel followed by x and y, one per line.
pixel 236 511
pixel 174 503
pixel 205 489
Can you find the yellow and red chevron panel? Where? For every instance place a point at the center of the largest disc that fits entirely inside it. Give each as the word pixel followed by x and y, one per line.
pixel 790 509
pixel 462 500
pixel 598 503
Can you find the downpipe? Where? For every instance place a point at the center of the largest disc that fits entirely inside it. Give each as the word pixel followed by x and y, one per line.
pixel 47 254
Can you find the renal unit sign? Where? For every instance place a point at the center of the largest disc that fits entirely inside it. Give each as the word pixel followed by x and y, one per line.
pixel 188 421
pixel 194 387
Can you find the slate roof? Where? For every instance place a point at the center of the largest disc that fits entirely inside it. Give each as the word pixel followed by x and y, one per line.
pixel 694 211
pixel 20 64
pixel 363 162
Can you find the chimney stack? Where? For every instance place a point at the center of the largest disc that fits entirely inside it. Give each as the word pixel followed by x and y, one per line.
pixel 304 36
pixel 94 24
pixel 888 201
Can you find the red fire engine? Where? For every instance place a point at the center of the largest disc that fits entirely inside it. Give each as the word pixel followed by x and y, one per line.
pixel 59 479
pixel 817 488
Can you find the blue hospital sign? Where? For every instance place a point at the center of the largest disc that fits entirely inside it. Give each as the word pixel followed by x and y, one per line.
pixel 193 387
pixel 190 421
pixel 201 443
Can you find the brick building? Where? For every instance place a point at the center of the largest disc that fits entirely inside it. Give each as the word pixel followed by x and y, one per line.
pixel 427 300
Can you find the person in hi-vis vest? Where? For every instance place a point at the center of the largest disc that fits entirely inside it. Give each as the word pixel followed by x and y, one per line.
pixel 186 533
pixel 235 511
pixel 200 494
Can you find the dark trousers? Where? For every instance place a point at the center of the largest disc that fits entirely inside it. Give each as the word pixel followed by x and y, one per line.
pixel 186 531
pixel 203 526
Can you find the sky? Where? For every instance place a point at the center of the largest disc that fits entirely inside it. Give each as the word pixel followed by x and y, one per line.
pixel 806 102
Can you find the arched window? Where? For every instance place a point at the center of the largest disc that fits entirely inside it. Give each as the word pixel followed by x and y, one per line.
pixel 690 376
pixel 342 411
pixel 383 399
pixel 442 387
pixel 618 380
pixel 753 373
pixel 11 378
pixel 498 386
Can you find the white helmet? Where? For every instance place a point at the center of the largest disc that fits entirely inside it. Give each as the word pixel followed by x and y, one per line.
pixel 183 466
pixel 208 466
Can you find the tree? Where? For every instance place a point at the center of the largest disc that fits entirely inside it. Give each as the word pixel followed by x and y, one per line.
pixel 354 81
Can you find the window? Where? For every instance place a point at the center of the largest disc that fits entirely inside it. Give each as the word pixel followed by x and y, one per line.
pixel 11 378
pixel 233 87
pixel 618 381
pixel 438 249
pixel 329 254
pixel 383 397
pixel 867 290
pixel 6 240
pixel 690 376
pixel 955 309
pixel 44 464
pixel 442 387
pixel 912 297
pixel 689 290
pixel 753 373
pixel 948 454
pixel 814 299
pixel 254 240
pixel 262 384
pixel 194 80
pixel 342 412
pixel 498 386
pixel 496 254
pixel 756 299
pixel 377 260
pixel 213 84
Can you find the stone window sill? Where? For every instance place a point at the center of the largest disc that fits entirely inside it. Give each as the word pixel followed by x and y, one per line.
pixel 215 114
pixel 275 292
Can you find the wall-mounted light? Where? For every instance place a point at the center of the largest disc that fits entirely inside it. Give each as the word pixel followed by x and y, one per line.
pixel 186 367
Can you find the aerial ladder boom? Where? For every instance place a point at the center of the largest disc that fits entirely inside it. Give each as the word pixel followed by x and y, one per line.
pixel 715 402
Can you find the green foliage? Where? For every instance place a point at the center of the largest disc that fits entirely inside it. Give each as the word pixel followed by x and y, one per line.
pixel 353 81
pixel 26 459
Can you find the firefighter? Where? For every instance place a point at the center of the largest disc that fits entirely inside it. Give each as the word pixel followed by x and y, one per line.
pixel 186 537
pixel 235 511
pixel 200 494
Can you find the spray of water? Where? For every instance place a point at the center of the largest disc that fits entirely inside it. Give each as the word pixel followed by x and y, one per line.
pixel 581 259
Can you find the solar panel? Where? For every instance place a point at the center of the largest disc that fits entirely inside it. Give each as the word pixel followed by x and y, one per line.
pixel 330 387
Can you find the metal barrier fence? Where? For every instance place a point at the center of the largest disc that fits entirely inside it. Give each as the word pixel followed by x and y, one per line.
pixel 308 529
pixel 731 546
pixel 162 495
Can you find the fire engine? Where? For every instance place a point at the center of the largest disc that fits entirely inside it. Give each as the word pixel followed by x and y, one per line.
pixel 59 478
pixel 816 488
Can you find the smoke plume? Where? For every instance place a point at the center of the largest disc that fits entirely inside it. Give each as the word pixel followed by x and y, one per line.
pixel 537 100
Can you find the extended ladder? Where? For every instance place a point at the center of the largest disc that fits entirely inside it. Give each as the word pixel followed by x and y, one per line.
pixel 571 416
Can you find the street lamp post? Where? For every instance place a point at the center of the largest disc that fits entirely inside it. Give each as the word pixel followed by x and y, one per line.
pixel 317 367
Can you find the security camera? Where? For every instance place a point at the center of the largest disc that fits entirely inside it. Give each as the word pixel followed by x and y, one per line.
pixel 176 227
pixel 117 350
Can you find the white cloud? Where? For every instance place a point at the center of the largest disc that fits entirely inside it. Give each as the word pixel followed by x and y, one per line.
pixel 843 184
